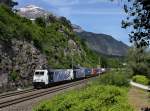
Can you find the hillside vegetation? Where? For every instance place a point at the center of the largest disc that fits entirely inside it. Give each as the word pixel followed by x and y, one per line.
pixel 93 98
pixel 55 39
pixel 103 94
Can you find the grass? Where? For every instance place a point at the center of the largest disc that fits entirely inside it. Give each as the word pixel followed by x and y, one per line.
pixel 92 98
pixel 141 79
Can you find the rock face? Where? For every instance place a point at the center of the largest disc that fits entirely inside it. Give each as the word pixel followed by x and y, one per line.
pixel 77 28
pixel 104 44
pixel 32 12
pixel 18 60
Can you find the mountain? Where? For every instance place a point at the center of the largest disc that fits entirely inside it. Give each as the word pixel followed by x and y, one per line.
pixel 102 43
pixel 32 12
pixel 77 28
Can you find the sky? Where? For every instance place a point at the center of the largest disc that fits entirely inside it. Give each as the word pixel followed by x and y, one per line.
pixel 98 16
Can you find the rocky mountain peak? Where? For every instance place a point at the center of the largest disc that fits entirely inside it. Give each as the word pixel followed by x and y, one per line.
pixel 32 12
pixel 77 28
pixel 30 7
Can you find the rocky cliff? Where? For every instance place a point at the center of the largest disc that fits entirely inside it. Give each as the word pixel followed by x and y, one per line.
pixel 18 60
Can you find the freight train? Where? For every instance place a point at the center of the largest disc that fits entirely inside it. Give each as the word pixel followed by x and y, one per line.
pixel 43 78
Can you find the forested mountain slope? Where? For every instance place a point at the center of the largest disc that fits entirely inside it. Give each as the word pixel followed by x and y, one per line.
pixel 104 44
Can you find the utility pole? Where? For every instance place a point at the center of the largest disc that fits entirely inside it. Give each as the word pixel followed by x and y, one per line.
pixel 99 66
pixel 72 61
pixel 72 58
pixel 99 63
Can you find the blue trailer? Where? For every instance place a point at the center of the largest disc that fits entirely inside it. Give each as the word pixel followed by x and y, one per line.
pixel 88 72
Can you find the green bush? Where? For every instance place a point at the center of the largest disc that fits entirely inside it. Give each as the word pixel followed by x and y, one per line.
pixel 40 21
pixel 141 79
pixel 92 98
pixel 14 76
pixel 117 78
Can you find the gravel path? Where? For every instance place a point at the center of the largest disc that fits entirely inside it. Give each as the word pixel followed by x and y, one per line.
pixel 28 105
pixel 138 98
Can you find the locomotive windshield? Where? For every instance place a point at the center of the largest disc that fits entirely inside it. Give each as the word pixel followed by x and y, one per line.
pixel 39 73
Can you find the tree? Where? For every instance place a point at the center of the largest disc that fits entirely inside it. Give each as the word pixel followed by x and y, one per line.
pixel 138 20
pixel 40 21
pixel 9 3
pixel 138 61
pixel 66 22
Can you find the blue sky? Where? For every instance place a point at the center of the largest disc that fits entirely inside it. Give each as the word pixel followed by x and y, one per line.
pixel 99 16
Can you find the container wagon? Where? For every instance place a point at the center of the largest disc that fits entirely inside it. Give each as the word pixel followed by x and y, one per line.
pixel 88 72
pixel 59 75
pixel 94 72
pixel 79 73
pixel 103 70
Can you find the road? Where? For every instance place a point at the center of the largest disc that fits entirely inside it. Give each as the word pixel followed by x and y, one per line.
pixel 139 85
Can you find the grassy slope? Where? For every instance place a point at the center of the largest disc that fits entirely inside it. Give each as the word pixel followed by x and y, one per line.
pixel 92 98
pixel 110 95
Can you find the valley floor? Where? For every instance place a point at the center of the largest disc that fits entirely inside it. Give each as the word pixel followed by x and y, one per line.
pixel 139 98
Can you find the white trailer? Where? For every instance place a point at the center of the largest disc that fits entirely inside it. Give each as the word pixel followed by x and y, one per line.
pixel 59 75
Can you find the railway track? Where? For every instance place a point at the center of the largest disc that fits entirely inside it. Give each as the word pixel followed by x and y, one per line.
pixel 38 93
pixel 16 93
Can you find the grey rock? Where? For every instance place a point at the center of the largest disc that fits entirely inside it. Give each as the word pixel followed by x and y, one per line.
pixel 22 58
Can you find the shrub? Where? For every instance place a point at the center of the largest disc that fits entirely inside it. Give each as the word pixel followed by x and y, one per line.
pixel 114 78
pixel 92 98
pixel 37 44
pixel 40 21
pixel 141 79
pixel 14 76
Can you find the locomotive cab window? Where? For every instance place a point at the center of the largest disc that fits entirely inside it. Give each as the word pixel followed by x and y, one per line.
pixel 39 73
